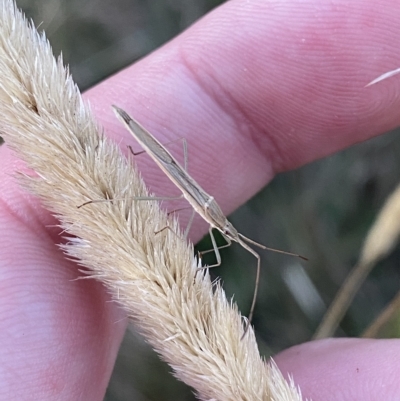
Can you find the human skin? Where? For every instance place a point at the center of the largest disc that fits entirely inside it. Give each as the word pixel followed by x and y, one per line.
pixel 284 81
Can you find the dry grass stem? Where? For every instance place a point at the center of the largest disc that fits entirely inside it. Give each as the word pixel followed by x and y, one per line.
pixel 380 241
pixel 387 323
pixel 186 318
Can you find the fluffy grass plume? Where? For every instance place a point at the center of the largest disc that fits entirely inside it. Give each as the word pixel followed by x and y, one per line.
pixel 186 318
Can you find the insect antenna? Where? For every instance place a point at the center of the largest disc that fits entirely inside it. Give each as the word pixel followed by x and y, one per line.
pixel 250 241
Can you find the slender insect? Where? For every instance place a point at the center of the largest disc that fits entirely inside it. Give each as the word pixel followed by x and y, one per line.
pixel 202 203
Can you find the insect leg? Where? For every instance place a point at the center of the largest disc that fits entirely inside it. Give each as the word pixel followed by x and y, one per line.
pixel 189 223
pixel 137 198
pixel 215 249
pixel 256 285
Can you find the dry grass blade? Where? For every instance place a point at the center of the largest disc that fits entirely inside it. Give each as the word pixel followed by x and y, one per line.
pixel 384 76
pixel 380 241
pixel 183 316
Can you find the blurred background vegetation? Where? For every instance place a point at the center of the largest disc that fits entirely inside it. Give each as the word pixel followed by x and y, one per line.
pixel 322 210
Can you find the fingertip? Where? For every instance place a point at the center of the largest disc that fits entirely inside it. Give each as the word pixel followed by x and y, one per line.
pixel 344 369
